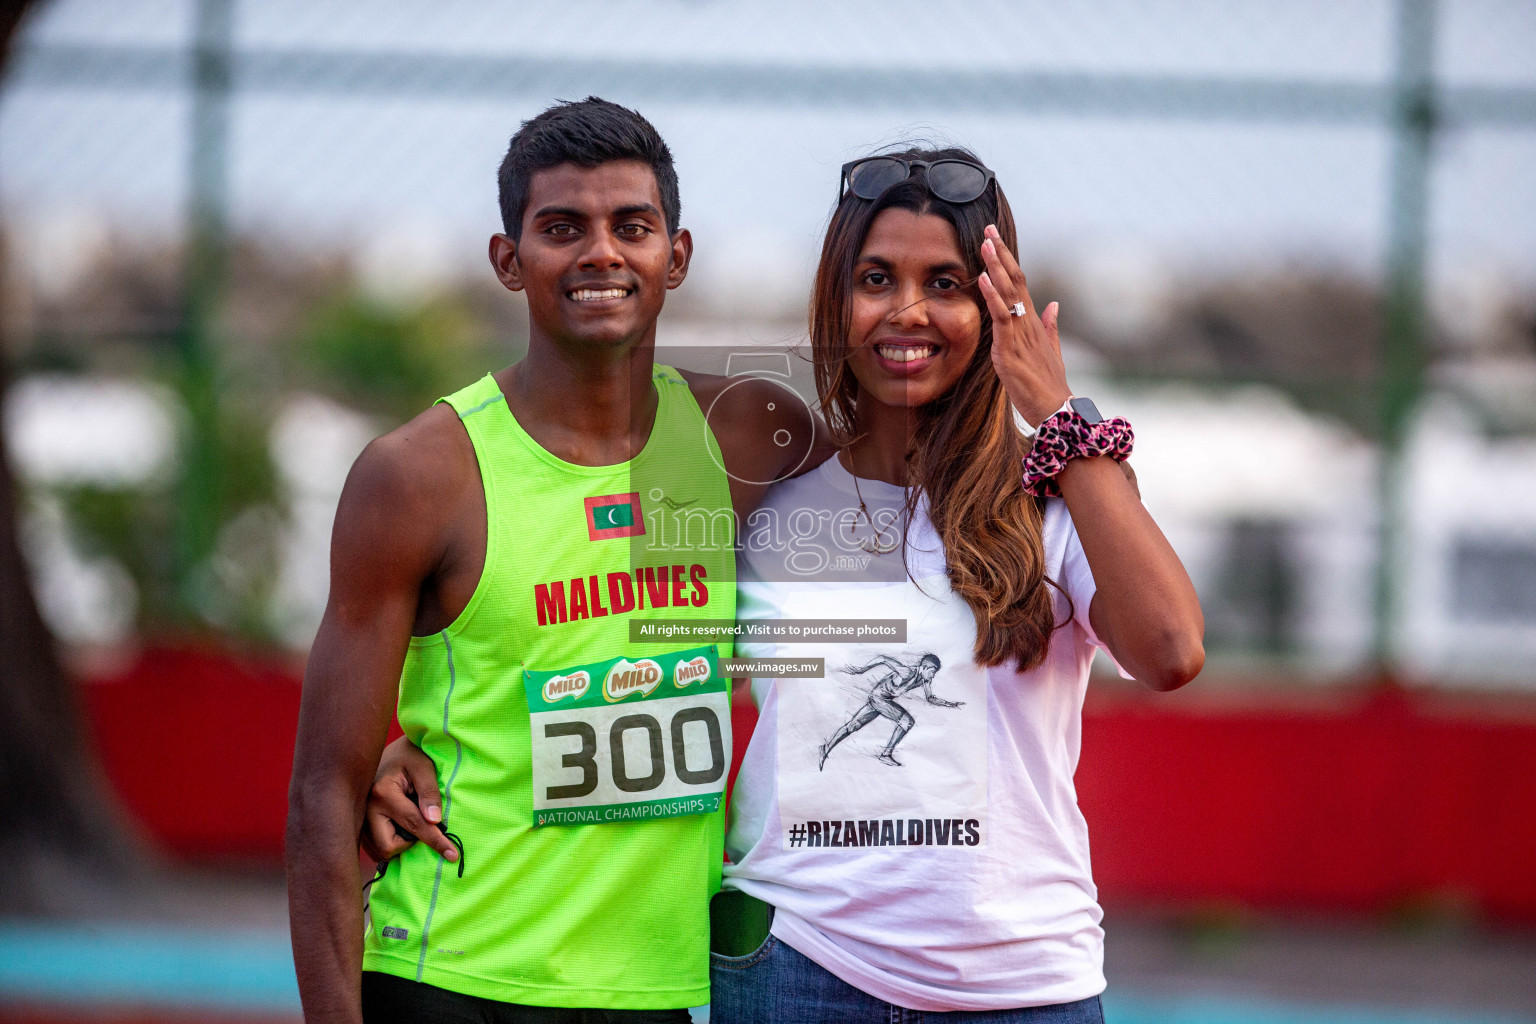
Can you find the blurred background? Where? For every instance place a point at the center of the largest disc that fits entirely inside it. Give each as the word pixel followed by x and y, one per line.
pixel 1294 243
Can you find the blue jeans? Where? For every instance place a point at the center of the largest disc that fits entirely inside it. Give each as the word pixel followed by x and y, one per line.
pixel 775 984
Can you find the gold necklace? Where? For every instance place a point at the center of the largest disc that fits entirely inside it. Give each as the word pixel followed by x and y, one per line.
pixel 872 545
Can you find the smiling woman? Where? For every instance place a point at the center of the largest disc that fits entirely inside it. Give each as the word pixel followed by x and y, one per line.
pixel 909 824
pixel 902 341
pixel 911 311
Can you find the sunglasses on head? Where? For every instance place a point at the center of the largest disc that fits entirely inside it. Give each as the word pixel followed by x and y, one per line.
pixel 954 181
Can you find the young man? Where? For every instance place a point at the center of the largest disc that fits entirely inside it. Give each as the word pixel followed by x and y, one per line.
pixel 487 560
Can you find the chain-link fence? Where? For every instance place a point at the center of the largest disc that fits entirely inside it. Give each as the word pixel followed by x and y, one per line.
pixel 1288 239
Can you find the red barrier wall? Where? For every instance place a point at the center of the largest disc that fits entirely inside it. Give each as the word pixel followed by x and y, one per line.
pixel 1349 800
pixel 200 747
pixel 1318 799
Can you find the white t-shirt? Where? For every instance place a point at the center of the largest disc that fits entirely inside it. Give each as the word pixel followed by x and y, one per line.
pixel 934 857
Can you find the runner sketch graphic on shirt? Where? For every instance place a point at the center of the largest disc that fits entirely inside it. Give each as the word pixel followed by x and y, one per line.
pixel 894 679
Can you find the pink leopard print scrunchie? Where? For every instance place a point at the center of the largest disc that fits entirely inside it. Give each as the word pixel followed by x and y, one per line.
pixel 1065 436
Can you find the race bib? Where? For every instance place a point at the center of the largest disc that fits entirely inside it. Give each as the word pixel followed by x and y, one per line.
pixel 629 739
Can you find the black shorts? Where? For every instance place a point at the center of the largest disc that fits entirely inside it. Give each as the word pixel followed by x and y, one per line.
pixel 391 1000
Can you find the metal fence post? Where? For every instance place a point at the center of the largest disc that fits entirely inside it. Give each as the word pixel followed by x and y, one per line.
pixel 207 230
pixel 1404 320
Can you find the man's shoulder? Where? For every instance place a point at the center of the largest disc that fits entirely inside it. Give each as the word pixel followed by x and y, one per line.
pixel 738 394
pixel 750 409
pixel 424 458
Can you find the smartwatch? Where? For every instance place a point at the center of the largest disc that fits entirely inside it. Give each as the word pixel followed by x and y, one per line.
pixel 1084 407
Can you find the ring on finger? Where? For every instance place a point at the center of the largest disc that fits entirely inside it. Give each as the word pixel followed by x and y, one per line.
pixel 1017 309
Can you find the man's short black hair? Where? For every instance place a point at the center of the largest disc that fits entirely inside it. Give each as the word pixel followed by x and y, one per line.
pixel 585 133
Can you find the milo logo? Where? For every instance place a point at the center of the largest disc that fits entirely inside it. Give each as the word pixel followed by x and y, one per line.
pixel 628 677
pixel 688 672
pixel 573 686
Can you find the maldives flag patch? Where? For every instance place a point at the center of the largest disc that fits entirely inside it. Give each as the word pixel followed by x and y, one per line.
pixel 614 515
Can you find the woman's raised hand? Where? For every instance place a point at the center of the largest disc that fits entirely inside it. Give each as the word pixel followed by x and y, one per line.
pixel 1026 350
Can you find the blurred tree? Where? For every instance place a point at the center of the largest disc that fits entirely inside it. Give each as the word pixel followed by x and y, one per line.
pixel 134 526
pixel 291 321
pixel 62 821
pixel 396 360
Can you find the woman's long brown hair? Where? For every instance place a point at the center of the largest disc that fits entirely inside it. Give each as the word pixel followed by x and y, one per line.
pixel 968 452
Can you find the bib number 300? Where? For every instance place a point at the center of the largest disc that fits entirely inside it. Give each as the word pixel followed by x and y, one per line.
pixel 628 740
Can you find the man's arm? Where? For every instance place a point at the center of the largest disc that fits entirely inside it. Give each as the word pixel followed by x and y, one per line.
pixel 387 541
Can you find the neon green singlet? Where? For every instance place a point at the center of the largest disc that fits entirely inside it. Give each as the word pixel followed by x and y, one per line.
pixel 538 710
